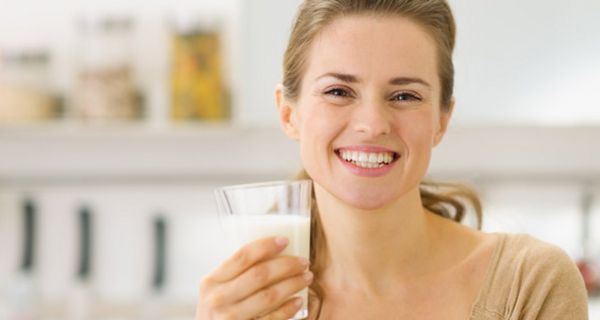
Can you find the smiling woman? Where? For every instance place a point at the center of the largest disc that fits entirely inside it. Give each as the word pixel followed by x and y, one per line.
pixel 368 93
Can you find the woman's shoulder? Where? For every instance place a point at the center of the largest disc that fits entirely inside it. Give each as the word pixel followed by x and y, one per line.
pixel 530 274
pixel 524 259
pixel 523 249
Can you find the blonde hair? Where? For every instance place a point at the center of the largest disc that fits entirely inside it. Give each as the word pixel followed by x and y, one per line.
pixel 445 199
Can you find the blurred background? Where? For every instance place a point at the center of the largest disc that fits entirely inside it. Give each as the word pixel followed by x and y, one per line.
pixel 119 118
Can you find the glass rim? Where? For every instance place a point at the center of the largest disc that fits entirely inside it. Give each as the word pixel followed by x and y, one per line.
pixel 262 184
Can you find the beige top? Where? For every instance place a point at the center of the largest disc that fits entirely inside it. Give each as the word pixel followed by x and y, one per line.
pixel 529 279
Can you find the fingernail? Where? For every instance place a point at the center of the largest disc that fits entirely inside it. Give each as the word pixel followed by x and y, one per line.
pixel 304 261
pixel 308 276
pixel 281 241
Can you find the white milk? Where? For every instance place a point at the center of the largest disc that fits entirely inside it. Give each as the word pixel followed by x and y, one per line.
pixel 243 229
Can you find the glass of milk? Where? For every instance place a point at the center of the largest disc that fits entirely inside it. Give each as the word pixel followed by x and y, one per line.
pixel 280 208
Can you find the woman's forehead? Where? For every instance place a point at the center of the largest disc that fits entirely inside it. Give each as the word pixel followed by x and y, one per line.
pixel 373 46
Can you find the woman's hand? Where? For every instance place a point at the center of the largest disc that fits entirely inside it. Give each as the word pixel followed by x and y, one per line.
pixel 254 283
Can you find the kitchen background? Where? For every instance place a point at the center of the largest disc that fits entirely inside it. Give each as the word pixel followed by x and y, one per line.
pixel 119 118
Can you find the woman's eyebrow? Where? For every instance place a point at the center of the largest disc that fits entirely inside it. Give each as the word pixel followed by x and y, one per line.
pixel 349 78
pixel 340 76
pixel 409 80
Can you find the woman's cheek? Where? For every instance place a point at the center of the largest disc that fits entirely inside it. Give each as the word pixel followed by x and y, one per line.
pixel 418 128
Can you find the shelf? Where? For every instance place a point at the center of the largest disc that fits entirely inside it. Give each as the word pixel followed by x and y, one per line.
pixel 67 128
pixel 131 152
pixel 206 151
pixel 530 153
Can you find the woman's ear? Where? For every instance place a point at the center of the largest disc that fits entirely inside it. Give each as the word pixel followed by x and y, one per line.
pixel 444 121
pixel 287 114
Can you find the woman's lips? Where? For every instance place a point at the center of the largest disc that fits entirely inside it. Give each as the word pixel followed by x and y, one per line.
pixel 367 161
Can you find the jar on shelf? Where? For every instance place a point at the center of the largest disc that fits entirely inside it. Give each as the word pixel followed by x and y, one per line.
pixel 198 91
pixel 105 87
pixel 26 95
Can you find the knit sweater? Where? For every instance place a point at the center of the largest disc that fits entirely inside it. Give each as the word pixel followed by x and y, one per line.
pixel 529 279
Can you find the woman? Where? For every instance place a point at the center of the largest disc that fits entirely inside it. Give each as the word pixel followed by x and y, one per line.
pixel 367 93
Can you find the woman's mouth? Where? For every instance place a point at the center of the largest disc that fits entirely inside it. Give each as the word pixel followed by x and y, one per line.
pixel 367 159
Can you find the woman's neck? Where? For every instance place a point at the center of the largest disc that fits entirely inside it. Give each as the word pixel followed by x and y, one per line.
pixel 372 250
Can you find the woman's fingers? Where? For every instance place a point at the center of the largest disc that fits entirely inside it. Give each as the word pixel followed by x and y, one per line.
pixel 285 311
pixel 271 298
pixel 263 275
pixel 247 256
pixel 254 281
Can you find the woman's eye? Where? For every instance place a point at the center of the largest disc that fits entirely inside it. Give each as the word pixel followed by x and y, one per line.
pixel 337 92
pixel 406 97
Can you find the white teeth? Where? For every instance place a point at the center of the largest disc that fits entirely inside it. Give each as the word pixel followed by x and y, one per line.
pixel 367 159
pixel 369 165
pixel 373 158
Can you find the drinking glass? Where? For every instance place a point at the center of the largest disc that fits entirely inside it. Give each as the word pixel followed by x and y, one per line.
pixel 280 208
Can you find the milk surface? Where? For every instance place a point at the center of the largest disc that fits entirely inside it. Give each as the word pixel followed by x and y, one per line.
pixel 243 229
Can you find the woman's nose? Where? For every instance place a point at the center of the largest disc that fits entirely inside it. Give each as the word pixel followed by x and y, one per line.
pixel 372 120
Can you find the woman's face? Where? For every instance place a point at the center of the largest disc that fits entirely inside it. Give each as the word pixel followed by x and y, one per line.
pixel 368 113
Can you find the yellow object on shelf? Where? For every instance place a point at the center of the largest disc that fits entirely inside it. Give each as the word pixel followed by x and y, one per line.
pixel 26 95
pixel 20 105
pixel 197 86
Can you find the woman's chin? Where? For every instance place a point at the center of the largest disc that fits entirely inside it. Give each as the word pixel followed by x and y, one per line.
pixel 366 201
pixel 365 198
